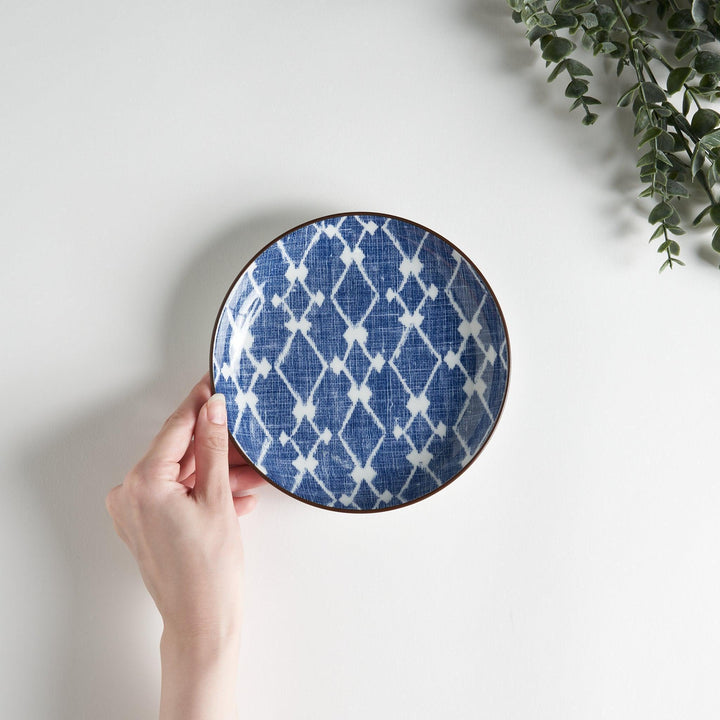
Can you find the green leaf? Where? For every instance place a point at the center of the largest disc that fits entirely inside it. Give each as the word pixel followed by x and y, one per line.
pixel 661 157
pixel 716 240
pixel 647 159
pixel 678 77
pixel 700 11
pixel 681 123
pixel 565 20
pixel 674 248
pixel 545 20
pixel 576 88
pixel 557 49
pixel 698 158
pixel 715 214
pixel 589 20
pixel 707 62
pixel 636 21
pixel 572 4
pixel 641 122
pixel 557 70
pixel 647 192
pixel 688 42
pixel 673 187
pixel 665 141
pixel 620 50
pixel 658 232
pixel 606 47
pixel 704 121
pixel 661 211
pixel 704 36
pixel 708 82
pixel 536 33
pixel 647 174
pixel 638 106
pixel 649 135
pixel 682 20
pixel 712 174
pixel 606 16
pixel 698 219
pixel 653 93
pixel 664 265
pixel 627 96
pixel 711 140
pixel 650 53
pixel 660 178
pixel 575 68
pixel 716 168
pixel 687 98
pixel 590 118
pixel 675 230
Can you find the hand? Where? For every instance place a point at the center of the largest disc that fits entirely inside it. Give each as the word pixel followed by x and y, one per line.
pixel 176 510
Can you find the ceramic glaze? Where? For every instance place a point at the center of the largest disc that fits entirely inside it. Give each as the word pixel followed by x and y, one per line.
pixel 364 361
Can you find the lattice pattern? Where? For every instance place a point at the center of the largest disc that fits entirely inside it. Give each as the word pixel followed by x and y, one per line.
pixel 363 360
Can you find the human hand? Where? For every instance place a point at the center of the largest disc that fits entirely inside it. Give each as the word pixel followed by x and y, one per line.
pixel 176 510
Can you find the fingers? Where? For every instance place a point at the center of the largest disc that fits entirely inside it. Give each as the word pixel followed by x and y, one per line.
pixel 236 457
pixel 112 504
pixel 187 464
pixel 245 478
pixel 212 481
pixel 171 443
pixel 242 478
pixel 244 505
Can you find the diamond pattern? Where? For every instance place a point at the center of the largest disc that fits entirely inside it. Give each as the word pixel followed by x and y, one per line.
pixel 354 295
pixel 300 366
pixel 361 445
pixel 364 361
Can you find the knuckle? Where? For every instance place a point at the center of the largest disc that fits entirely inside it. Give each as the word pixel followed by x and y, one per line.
pixel 134 477
pixel 111 501
pixel 175 417
pixel 202 386
pixel 151 468
pixel 214 442
pixel 134 487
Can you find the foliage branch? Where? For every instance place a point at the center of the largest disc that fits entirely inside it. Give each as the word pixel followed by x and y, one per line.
pixel 669 48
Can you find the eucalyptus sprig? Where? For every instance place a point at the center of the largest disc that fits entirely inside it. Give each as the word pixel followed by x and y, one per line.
pixel 679 143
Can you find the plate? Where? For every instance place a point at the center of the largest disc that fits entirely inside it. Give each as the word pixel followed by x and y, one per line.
pixel 364 360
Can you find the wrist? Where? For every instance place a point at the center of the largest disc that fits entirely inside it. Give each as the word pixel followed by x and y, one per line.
pixel 198 646
pixel 199 674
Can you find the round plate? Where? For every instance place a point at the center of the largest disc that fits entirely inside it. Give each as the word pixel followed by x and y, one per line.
pixel 364 360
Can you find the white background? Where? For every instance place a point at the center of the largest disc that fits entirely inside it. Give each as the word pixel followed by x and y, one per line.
pixel 148 150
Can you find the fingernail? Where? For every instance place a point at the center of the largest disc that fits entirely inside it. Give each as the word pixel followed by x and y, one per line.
pixel 217 413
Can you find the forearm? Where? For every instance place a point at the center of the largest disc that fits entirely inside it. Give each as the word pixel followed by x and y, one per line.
pixel 198 679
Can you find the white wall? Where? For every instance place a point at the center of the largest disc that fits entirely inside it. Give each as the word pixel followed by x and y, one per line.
pixel 148 149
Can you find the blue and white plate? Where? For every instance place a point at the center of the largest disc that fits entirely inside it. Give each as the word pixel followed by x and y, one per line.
pixel 364 360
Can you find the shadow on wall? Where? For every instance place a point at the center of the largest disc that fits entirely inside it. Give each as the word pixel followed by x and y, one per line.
pixel 611 149
pixel 101 672
pixel 614 149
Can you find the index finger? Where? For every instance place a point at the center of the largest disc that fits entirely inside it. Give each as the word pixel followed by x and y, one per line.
pixel 173 439
pixel 235 457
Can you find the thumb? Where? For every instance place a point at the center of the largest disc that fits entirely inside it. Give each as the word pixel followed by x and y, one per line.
pixel 212 475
